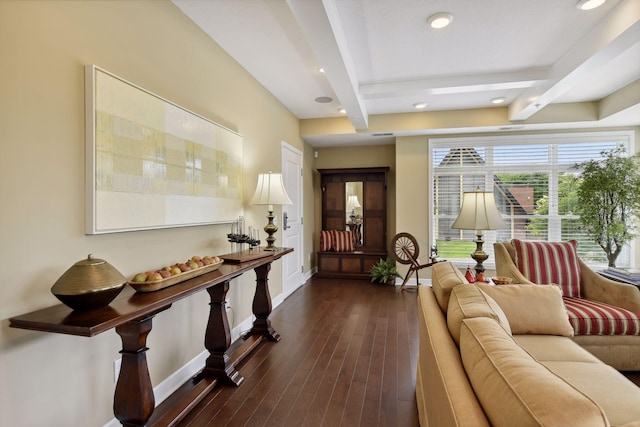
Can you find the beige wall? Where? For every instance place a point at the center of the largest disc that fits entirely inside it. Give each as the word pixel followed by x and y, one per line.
pixel 355 157
pixel 58 380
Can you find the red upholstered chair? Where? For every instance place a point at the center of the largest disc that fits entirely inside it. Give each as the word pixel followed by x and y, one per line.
pixel 605 314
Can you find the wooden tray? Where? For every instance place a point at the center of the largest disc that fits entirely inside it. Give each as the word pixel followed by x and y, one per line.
pixel 244 256
pixel 170 281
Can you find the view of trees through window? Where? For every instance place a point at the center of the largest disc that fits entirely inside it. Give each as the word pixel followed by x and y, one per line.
pixel 534 180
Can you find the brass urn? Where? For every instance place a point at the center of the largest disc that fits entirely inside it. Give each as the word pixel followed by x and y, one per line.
pixel 88 284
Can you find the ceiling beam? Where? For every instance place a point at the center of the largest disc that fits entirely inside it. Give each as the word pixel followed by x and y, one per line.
pixel 619 31
pixel 321 25
pixel 459 84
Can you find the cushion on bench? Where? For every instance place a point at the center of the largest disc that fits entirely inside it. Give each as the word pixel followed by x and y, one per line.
pixel 337 240
pixel 326 242
pixel 343 241
pixel 596 318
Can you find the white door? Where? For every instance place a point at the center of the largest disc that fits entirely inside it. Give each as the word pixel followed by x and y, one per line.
pixel 291 221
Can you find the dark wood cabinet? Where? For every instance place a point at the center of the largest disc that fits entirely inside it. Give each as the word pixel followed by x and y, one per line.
pixel 372 219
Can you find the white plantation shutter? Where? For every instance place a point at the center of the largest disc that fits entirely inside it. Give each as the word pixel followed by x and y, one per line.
pixel 533 181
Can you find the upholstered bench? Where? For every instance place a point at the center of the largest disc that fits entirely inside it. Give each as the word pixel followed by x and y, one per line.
pixel 604 314
pixel 338 257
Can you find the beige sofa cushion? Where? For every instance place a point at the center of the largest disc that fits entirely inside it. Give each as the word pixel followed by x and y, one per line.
pixel 532 309
pixel 618 397
pixel 443 392
pixel 468 301
pixel 444 277
pixel 547 348
pixel 513 388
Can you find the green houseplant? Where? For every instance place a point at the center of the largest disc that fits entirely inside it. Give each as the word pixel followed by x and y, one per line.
pixel 383 272
pixel 609 200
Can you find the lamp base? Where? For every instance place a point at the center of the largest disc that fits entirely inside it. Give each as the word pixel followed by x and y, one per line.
pixel 479 255
pixel 270 229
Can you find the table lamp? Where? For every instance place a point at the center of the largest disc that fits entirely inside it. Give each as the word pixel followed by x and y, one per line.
pixel 270 191
pixel 353 203
pixel 479 212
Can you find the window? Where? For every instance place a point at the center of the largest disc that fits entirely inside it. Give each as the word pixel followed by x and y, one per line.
pixel 533 178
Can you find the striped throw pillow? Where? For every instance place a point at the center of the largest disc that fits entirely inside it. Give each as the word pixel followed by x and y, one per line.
pixel 550 262
pixel 326 241
pixel 596 318
pixel 343 241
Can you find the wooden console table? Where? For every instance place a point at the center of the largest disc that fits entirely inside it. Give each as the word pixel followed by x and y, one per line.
pixel 131 314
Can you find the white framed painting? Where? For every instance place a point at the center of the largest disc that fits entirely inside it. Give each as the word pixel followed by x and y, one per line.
pixel 153 164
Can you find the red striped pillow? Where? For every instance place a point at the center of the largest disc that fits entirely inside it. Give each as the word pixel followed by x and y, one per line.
pixel 343 241
pixel 550 262
pixel 597 318
pixel 326 241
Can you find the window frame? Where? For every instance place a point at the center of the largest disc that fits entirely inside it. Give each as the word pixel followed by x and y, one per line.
pixel 622 138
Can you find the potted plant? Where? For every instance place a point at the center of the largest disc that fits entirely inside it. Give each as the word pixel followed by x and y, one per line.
pixel 609 200
pixel 384 272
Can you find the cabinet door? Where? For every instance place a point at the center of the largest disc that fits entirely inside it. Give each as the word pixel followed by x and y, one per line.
pixel 374 237
pixel 333 206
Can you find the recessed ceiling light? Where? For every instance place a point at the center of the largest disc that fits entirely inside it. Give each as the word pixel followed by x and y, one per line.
pixel 498 100
pixel 324 99
pixel 589 4
pixel 342 111
pixel 420 105
pixel 440 20
pixel 321 70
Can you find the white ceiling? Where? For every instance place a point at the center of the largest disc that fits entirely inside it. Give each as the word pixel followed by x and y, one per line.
pixel 380 57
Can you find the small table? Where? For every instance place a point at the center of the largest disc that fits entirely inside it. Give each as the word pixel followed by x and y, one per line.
pixel 618 279
pixel 131 314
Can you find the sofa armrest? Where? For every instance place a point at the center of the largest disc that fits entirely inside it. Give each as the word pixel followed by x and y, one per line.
pixel 505 267
pixel 598 288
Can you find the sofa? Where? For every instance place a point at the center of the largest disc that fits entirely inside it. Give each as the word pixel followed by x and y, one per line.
pixel 503 356
pixel 605 314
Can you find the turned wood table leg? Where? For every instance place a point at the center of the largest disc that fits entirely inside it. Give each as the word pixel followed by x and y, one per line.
pixel 218 339
pixel 262 305
pixel 133 402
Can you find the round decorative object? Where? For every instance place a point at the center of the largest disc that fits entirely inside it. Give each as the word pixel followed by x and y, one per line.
pixel 502 280
pixel 88 284
pixel 405 248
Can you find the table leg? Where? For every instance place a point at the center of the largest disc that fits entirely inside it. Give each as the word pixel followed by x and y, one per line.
pixel 133 402
pixel 218 339
pixel 262 305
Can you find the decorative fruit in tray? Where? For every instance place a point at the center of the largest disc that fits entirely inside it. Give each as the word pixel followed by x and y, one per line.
pixel 173 270
pixel 175 273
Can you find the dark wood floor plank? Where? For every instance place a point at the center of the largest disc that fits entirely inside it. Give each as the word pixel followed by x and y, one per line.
pixel 347 351
pixel 344 381
pixel 355 399
pixel 328 381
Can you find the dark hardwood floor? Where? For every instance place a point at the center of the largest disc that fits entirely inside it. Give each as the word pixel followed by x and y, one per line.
pixel 347 357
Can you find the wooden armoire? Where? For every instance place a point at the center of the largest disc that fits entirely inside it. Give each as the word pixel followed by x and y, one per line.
pixel 371 227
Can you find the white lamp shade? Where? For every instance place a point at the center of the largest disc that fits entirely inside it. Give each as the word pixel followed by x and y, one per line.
pixel 270 190
pixel 478 212
pixel 353 202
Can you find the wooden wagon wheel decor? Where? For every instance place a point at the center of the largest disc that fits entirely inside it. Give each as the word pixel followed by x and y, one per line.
pixel 405 250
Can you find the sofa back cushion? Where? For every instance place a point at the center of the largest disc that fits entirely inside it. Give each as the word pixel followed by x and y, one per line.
pixel 532 309
pixel 468 301
pixel 550 262
pixel 444 277
pixel 513 388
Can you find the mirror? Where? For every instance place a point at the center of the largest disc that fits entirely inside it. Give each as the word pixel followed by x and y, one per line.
pixel 353 203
